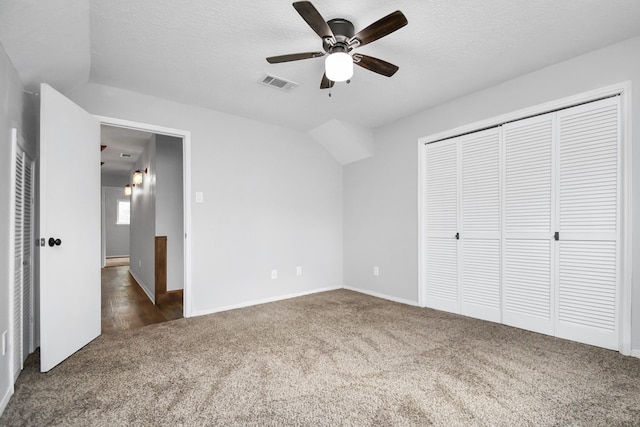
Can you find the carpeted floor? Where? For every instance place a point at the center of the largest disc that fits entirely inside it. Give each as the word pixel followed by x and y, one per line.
pixel 334 358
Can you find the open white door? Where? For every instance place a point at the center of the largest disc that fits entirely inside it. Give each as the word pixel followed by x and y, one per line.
pixel 70 226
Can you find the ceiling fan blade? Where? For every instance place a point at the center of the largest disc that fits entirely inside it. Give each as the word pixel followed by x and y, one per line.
pixel 374 64
pixel 326 83
pixel 310 14
pixel 382 27
pixel 294 57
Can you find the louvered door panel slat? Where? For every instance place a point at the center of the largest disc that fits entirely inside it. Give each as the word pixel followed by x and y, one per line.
pixel 441 185
pixel 442 267
pixel 528 144
pixel 588 164
pixel 480 217
pixel 441 209
pixel 481 278
pixel 27 262
pixel 527 284
pixel 585 280
pixel 18 276
pixel 528 208
pixel 481 182
pixel 589 177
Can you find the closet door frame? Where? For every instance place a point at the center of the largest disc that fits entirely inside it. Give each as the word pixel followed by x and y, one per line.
pixel 622 89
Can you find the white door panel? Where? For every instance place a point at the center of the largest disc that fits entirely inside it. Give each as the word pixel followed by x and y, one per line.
pixel 588 201
pixel 69 211
pixel 528 218
pixel 441 208
pixel 480 224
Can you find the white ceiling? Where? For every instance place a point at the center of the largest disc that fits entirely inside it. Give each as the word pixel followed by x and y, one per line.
pixel 212 53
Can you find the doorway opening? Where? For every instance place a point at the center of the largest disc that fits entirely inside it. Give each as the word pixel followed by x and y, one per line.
pixel 140 285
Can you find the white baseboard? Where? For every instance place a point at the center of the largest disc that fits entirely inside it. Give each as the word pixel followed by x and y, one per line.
pixel 635 353
pixel 5 400
pixel 261 301
pixel 142 285
pixel 383 296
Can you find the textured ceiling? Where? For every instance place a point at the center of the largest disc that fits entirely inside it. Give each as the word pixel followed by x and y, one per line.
pixel 47 41
pixel 212 53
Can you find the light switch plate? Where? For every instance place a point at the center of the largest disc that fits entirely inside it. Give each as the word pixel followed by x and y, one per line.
pixel 199 197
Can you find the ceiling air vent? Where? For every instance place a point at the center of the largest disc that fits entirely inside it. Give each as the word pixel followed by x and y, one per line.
pixel 125 155
pixel 278 83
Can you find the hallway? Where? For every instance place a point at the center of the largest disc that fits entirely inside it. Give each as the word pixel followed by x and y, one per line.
pixel 126 306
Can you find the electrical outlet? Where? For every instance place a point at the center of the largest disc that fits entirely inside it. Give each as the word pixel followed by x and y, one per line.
pixel 299 271
pixel 376 270
pixel 274 274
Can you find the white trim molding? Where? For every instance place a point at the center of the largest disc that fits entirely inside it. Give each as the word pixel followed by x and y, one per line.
pixel 5 399
pixel 383 296
pixel 262 301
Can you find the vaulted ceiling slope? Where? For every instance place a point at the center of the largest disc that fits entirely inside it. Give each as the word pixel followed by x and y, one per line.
pixel 212 53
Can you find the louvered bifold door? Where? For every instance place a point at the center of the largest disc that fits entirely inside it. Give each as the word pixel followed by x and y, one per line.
pixel 18 259
pixel 441 210
pixel 588 224
pixel 27 261
pixel 528 218
pixel 479 263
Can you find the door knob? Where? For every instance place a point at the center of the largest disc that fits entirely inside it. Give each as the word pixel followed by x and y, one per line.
pixel 54 242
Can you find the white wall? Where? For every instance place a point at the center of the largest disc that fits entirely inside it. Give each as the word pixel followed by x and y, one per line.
pixel 15 111
pixel 272 199
pixel 116 235
pixel 169 206
pixel 114 180
pixel 381 221
pixel 142 230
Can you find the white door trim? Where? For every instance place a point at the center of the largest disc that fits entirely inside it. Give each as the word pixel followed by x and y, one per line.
pixel 623 89
pixel 186 171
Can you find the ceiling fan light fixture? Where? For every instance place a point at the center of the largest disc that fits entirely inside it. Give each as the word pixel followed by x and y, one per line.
pixel 339 66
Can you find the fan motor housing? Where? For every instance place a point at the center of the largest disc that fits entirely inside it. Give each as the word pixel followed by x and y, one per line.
pixel 343 30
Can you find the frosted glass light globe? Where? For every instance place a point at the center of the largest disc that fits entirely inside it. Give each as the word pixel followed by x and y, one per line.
pixel 338 67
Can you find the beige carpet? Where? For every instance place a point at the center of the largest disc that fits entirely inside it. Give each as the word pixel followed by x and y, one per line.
pixel 335 358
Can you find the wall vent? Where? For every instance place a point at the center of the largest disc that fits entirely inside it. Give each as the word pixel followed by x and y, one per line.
pixel 278 82
pixel 125 155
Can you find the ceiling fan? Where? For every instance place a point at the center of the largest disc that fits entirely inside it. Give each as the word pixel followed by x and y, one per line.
pixel 339 41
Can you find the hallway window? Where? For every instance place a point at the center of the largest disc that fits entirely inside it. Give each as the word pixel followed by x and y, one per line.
pixel 124 212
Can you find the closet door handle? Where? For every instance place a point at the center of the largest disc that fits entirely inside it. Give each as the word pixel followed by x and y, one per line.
pixel 556 235
pixel 457 236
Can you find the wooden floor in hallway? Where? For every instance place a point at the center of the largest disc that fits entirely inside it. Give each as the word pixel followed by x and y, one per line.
pixel 126 306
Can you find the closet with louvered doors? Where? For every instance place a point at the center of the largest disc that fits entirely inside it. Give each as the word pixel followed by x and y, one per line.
pixel 537 221
pixel 22 242
pixel 462 197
